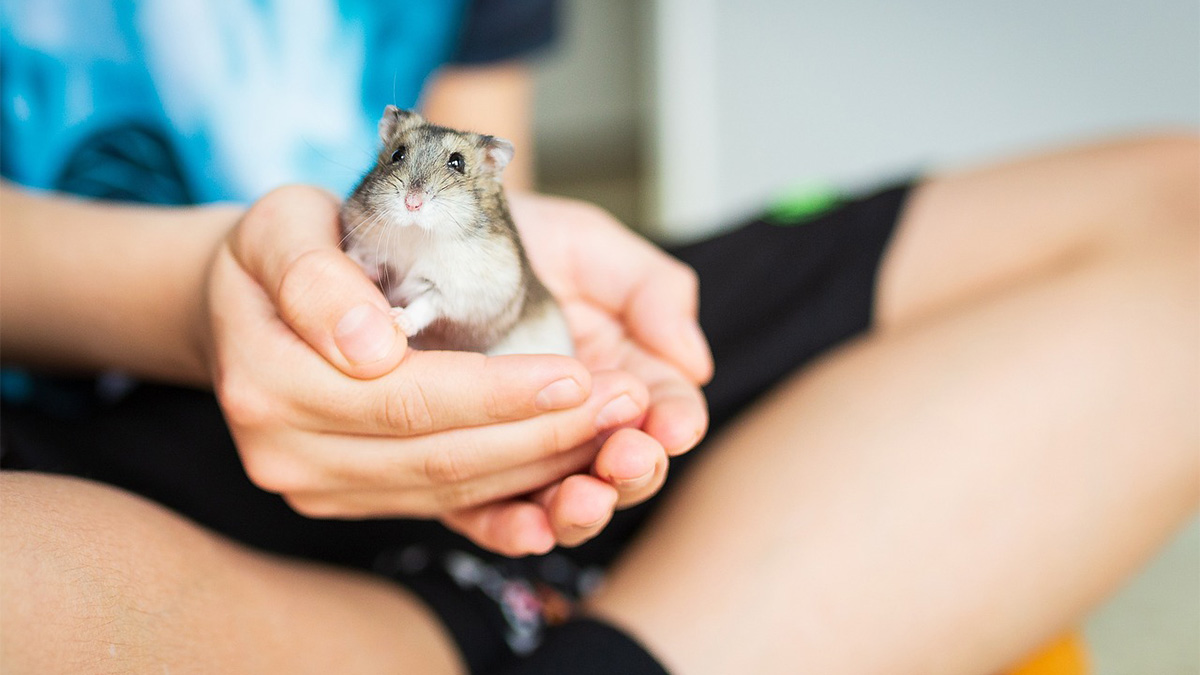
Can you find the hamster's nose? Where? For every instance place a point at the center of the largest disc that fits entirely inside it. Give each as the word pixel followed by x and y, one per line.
pixel 414 200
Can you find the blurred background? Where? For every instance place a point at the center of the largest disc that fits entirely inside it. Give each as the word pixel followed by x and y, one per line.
pixel 682 116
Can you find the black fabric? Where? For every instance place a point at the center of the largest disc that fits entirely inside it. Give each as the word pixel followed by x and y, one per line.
pixel 772 299
pixel 497 30
pixel 587 647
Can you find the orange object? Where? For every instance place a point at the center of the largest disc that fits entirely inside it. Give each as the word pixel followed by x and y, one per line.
pixel 1067 656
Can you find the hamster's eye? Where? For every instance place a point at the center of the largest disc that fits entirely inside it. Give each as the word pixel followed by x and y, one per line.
pixel 399 154
pixel 457 162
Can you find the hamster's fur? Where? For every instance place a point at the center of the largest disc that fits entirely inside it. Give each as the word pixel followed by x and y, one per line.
pixel 430 224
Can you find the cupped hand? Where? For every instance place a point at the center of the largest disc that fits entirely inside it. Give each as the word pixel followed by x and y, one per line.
pixel 331 410
pixel 633 308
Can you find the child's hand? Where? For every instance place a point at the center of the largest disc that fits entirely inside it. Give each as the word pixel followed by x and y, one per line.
pixel 332 411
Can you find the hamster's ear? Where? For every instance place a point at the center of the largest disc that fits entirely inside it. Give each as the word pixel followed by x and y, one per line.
pixel 499 152
pixel 395 120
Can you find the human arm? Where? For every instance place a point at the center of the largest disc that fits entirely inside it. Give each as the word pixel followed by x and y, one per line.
pixel 623 328
pixel 461 436
pixel 73 284
pixel 162 300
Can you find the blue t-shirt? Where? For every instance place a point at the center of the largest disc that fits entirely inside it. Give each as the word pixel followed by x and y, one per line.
pixel 192 101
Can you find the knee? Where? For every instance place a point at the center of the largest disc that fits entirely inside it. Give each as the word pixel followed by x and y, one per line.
pixel 1172 167
pixel 1155 189
pixel 84 567
pixel 1179 159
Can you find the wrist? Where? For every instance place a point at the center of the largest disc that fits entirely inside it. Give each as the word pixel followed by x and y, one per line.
pixel 197 323
pixel 131 299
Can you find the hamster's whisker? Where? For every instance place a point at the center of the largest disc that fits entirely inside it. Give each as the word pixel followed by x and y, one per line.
pixel 385 242
pixel 329 159
pixel 363 225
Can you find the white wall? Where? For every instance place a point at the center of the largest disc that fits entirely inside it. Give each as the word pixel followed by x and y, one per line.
pixel 588 88
pixel 756 95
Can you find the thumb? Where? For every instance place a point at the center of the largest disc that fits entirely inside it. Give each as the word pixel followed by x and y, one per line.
pixel 288 242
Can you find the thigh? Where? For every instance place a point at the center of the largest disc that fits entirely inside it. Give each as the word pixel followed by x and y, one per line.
pixel 775 293
pixel 947 492
pixel 969 233
pixel 95 578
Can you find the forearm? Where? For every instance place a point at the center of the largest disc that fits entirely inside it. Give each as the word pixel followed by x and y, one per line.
pixel 89 286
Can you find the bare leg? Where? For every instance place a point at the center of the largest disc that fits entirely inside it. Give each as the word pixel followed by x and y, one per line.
pixel 956 488
pixel 99 581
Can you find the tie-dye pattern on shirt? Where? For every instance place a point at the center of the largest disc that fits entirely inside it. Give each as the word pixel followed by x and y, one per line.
pixel 231 97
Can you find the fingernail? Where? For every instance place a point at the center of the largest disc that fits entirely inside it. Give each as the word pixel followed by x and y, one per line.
pixel 618 411
pixel 564 393
pixel 635 483
pixel 594 524
pixel 365 334
pixel 692 442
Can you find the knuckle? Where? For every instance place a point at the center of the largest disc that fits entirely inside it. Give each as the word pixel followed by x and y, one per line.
pixel 271 211
pixel 243 402
pixel 275 471
pixel 691 278
pixel 314 507
pixel 289 202
pixel 417 504
pixel 458 496
pixel 495 400
pixel 446 468
pixel 310 270
pixel 493 406
pixel 552 440
pixel 408 410
pixel 686 277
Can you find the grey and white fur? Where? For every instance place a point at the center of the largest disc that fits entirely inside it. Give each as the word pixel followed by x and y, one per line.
pixel 430 224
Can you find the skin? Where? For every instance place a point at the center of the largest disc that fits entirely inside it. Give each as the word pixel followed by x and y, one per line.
pixel 73 559
pixel 946 494
pixel 228 305
pixel 984 400
pixel 435 434
pixel 273 371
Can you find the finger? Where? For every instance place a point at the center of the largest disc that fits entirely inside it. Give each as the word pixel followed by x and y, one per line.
pixel 578 508
pixel 288 243
pixel 634 464
pixel 448 460
pixel 677 417
pixel 656 295
pixel 661 313
pixel 678 414
pixel 513 528
pixel 613 268
pixel 426 501
pixel 434 391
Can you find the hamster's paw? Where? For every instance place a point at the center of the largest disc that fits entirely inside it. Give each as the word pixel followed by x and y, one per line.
pixel 404 321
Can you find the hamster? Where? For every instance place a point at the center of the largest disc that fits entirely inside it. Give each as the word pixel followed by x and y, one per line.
pixel 429 223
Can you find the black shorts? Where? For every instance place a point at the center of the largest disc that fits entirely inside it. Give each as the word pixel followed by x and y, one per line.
pixel 773 297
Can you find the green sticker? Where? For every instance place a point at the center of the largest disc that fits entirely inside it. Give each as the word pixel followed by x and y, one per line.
pixel 801 204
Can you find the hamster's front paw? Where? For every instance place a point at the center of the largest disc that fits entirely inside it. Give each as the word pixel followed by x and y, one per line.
pixel 404 321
